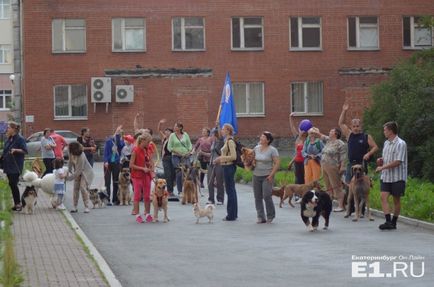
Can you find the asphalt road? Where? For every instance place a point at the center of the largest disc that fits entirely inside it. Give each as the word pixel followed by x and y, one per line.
pixel 243 253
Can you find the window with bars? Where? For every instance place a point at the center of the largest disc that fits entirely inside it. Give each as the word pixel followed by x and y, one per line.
pixel 188 34
pixel 307 97
pixel 247 33
pixel 128 35
pixel 5 99
pixel 305 33
pixel 363 33
pixel 249 99
pixel 70 102
pixel 69 36
pixel 415 35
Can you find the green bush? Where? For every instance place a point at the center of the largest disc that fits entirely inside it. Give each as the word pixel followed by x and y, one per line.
pixel 407 97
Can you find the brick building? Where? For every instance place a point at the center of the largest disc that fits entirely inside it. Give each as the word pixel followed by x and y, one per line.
pixel 172 56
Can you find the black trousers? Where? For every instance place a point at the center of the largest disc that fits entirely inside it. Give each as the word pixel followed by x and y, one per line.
pixel 48 162
pixel 13 183
pixel 169 172
pixel 112 172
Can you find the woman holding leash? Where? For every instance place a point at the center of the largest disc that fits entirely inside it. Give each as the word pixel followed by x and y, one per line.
pixel 47 151
pixel 298 161
pixel 12 160
pixel 267 164
pixel 166 156
pixel 203 149
pixel 180 146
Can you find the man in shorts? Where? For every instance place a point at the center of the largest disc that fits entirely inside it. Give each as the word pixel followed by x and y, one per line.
pixel 393 173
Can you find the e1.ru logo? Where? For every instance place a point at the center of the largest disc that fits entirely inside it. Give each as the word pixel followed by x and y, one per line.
pixel 361 269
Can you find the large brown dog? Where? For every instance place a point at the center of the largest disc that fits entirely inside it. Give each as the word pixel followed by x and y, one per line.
pixel 359 190
pixel 190 185
pixel 124 187
pixel 248 158
pixel 160 199
pixel 289 190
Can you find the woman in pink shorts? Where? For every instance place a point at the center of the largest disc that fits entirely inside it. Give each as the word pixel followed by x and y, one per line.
pixel 142 169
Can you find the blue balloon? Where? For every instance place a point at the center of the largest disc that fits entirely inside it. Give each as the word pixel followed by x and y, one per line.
pixel 305 125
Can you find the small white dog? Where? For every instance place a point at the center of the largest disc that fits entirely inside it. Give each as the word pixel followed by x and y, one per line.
pixel 207 211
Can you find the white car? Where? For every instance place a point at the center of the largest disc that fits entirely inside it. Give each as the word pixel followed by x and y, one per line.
pixel 34 142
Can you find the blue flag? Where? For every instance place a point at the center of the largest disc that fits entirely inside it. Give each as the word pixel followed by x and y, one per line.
pixel 228 114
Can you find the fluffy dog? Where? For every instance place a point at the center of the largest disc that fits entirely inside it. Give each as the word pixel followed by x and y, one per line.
pixel 98 197
pixel 248 158
pixel 313 205
pixel 46 183
pixel 190 185
pixel 160 199
pixel 289 190
pixel 359 192
pixel 207 211
pixel 124 187
pixel 28 199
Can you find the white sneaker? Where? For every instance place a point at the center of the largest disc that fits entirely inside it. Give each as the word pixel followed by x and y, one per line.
pixel 86 210
pixel 61 207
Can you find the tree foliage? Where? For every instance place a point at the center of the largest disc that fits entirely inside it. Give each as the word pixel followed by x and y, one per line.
pixel 407 97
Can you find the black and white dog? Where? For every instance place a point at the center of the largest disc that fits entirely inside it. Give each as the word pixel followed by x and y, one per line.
pixel 313 205
pixel 98 197
pixel 28 199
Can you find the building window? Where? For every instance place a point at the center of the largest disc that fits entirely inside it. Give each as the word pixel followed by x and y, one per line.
pixel 69 35
pixel 416 36
pixel 70 102
pixel 128 34
pixel 305 33
pixel 247 33
pixel 188 33
pixel 249 98
pixel 5 54
pixel 5 9
pixel 307 97
pixel 363 33
pixel 5 99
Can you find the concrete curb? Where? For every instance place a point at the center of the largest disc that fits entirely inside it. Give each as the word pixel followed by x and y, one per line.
pixel 407 220
pixel 100 261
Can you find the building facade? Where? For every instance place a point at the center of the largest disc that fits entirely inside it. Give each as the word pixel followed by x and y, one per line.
pixel 99 63
pixel 6 59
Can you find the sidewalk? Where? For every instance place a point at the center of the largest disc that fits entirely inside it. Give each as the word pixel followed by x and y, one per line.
pixel 48 250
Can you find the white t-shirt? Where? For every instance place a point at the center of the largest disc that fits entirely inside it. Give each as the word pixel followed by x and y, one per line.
pixel 264 160
pixel 58 174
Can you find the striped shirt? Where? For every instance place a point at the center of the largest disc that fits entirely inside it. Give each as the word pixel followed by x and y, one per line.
pixel 392 151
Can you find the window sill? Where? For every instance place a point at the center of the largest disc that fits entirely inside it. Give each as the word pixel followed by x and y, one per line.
pixel 251 116
pixel 363 49
pixel 4 110
pixel 305 49
pixel 247 49
pixel 128 51
pixel 70 118
pixel 68 52
pixel 189 50
pixel 417 48
pixel 308 114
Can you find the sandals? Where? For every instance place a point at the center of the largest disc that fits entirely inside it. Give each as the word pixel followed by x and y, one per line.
pixel 17 207
pixel 338 209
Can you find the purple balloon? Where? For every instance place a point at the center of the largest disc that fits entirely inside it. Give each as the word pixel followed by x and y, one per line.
pixel 305 125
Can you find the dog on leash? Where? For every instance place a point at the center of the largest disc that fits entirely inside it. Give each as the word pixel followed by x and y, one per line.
pixel 313 205
pixel 190 185
pixel 98 197
pixel 28 199
pixel 359 188
pixel 207 211
pixel 289 190
pixel 248 158
pixel 160 199
pixel 124 187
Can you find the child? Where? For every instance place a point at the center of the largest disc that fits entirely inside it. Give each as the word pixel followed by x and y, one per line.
pixel 59 181
pixel 126 151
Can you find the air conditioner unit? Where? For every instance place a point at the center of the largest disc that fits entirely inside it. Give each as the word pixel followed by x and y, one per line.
pixel 101 90
pixel 124 93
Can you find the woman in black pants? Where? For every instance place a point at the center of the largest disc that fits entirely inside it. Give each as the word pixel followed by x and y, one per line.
pixel 47 151
pixel 12 160
pixel 166 156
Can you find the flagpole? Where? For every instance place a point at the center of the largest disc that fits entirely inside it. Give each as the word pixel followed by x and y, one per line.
pixel 218 114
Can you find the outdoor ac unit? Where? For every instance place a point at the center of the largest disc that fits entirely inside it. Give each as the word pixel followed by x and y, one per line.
pixel 101 90
pixel 124 93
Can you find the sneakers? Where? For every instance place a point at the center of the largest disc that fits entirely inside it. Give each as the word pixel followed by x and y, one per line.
pixel 338 209
pixel 260 221
pixel 74 210
pixel 109 204
pixel 210 202
pixel 270 220
pixel 219 202
pixel 387 226
pixel 139 219
pixel 61 207
pixel 86 210
pixel 148 218
pixel 17 207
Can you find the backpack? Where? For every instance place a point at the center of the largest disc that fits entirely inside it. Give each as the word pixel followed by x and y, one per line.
pixel 238 147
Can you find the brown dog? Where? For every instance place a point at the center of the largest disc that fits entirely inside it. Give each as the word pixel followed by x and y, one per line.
pixel 124 187
pixel 359 190
pixel 248 158
pixel 289 190
pixel 160 199
pixel 190 185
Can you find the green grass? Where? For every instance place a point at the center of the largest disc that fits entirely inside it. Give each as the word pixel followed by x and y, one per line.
pixel 417 203
pixel 10 275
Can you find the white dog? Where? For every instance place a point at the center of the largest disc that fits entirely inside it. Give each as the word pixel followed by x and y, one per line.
pixel 207 211
pixel 46 183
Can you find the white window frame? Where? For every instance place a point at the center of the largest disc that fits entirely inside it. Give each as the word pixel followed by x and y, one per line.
pixel 64 50
pixel 6 53
pixel 3 96
pixel 248 113
pixel 123 35
pixel 183 27
pixel 413 26
pixel 300 34
pixel 5 9
pixel 69 116
pixel 242 27
pixel 358 26
pixel 305 97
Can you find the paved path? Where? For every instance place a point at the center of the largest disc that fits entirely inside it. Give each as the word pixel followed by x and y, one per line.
pixel 243 253
pixel 49 252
